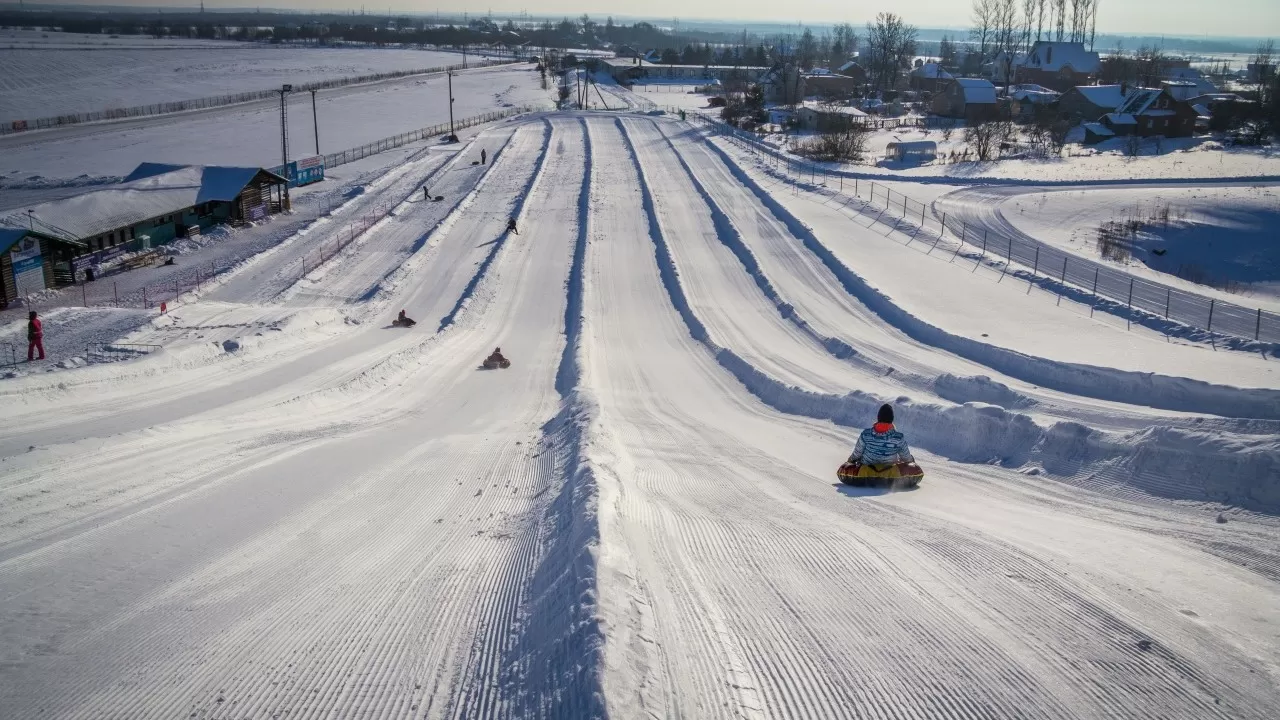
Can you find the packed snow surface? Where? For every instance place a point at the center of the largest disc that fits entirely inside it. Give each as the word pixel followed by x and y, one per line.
pixel 250 134
pixel 294 509
pixel 41 81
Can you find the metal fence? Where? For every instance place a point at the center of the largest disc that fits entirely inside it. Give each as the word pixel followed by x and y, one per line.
pixel 106 293
pixel 45 123
pixel 1047 263
pixel 395 141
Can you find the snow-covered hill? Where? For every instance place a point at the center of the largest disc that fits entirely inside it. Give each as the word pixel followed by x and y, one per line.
pixel 296 510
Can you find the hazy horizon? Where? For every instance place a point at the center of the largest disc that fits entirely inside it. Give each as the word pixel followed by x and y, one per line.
pixel 1183 18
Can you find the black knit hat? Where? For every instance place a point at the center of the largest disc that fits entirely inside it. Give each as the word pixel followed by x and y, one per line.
pixel 886 414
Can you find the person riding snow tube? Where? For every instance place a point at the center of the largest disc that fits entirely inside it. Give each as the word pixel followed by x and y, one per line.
pixel 881 457
pixel 496 360
pixel 403 320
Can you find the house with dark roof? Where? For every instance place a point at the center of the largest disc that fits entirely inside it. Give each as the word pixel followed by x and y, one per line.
pixel 1090 102
pixel 973 99
pixel 1148 112
pixel 1057 65
pixel 928 76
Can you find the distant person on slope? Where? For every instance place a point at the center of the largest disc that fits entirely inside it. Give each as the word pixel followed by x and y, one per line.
pixel 35 336
pixel 881 444
pixel 511 226
pixel 484 157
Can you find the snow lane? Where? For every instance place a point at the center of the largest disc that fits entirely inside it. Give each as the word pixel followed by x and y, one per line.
pixel 736 313
pixel 1054 349
pixel 376 570
pixel 848 613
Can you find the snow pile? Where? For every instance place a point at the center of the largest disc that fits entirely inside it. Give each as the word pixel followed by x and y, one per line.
pixel 190 244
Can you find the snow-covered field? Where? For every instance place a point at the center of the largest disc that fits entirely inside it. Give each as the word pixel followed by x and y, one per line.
pixel 1228 233
pixel 250 134
pixel 294 509
pixel 39 81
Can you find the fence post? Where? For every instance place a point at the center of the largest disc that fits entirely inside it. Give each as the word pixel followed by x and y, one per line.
pixel 1128 318
pixel 144 297
pixel 1168 296
pixel 1034 270
pixel 904 207
pixel 115 294
pixel 1211 303
pixel 84 293
pixel 1094 301
pixel 1257 329
pixel 197 279
pixel 943 232
pixel 1063 280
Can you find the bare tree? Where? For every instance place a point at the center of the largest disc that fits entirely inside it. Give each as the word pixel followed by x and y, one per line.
pixel 1263 60
pixel 983 25
pixel 986 137
pixel 1150 66
pixel 891 43
pixel 1040 6
pixel 1060 18
pixel 1093 23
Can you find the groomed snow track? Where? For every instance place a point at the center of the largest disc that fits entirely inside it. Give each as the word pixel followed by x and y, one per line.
pixel 297 511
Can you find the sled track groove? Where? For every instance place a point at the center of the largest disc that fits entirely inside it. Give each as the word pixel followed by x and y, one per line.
pixel 521 200
pixel 996 684
pixel 1099 383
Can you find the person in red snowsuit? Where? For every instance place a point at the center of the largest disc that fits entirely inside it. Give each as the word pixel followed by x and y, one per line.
pixel 35 336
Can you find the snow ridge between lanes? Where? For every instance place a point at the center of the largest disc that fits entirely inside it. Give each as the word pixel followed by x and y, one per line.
pixel 559 654
pixel 1101 383
pixel 982 433
pixel 946 385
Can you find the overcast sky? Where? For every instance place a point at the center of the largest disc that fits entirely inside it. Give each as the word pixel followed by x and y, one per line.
pixel 1191 18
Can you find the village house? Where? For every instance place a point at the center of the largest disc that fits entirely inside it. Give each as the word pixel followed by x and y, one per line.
pixel 1090 102
pixel 928 77
pixel 32 260
pixel 153 205
pixel 829 84
pixel 822 117
pixel 1148 112
pixel 973 99
pixel 628 71
pixel 853 70
pixel 1024 100
pixel 1057 65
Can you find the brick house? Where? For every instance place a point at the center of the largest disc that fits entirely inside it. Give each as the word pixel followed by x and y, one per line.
pixel 1148 112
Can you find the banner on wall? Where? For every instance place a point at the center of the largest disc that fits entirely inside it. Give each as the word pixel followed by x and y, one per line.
pixel 28 266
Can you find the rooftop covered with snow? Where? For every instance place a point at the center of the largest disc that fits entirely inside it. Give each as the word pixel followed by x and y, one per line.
pixel 150 191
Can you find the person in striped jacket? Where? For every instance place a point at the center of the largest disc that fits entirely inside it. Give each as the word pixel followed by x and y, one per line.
pixel 881 444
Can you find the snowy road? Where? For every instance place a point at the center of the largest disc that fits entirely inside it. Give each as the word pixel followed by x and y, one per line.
pixel 330 517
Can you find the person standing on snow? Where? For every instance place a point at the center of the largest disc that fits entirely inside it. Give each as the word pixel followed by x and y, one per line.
pixel 35 336
pixel 484 157
pixel 511 226
pixel 881 444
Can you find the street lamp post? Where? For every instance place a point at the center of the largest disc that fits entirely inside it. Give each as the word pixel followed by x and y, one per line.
pixel 453 136
pixel 315 120
pixel 284 140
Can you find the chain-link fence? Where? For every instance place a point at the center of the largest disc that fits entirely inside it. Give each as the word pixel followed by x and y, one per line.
pixel 45 123
pixel 395 141
pixel 102 293
pixel 1091 278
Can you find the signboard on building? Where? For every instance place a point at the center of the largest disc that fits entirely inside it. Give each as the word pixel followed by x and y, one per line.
pixel 258 212
pixel 28 266
pixel 301 172
pixel 307 171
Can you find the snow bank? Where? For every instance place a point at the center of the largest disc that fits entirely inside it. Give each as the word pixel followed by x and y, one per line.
pixel 978 432
pixel 1147 389
pixel 563 630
